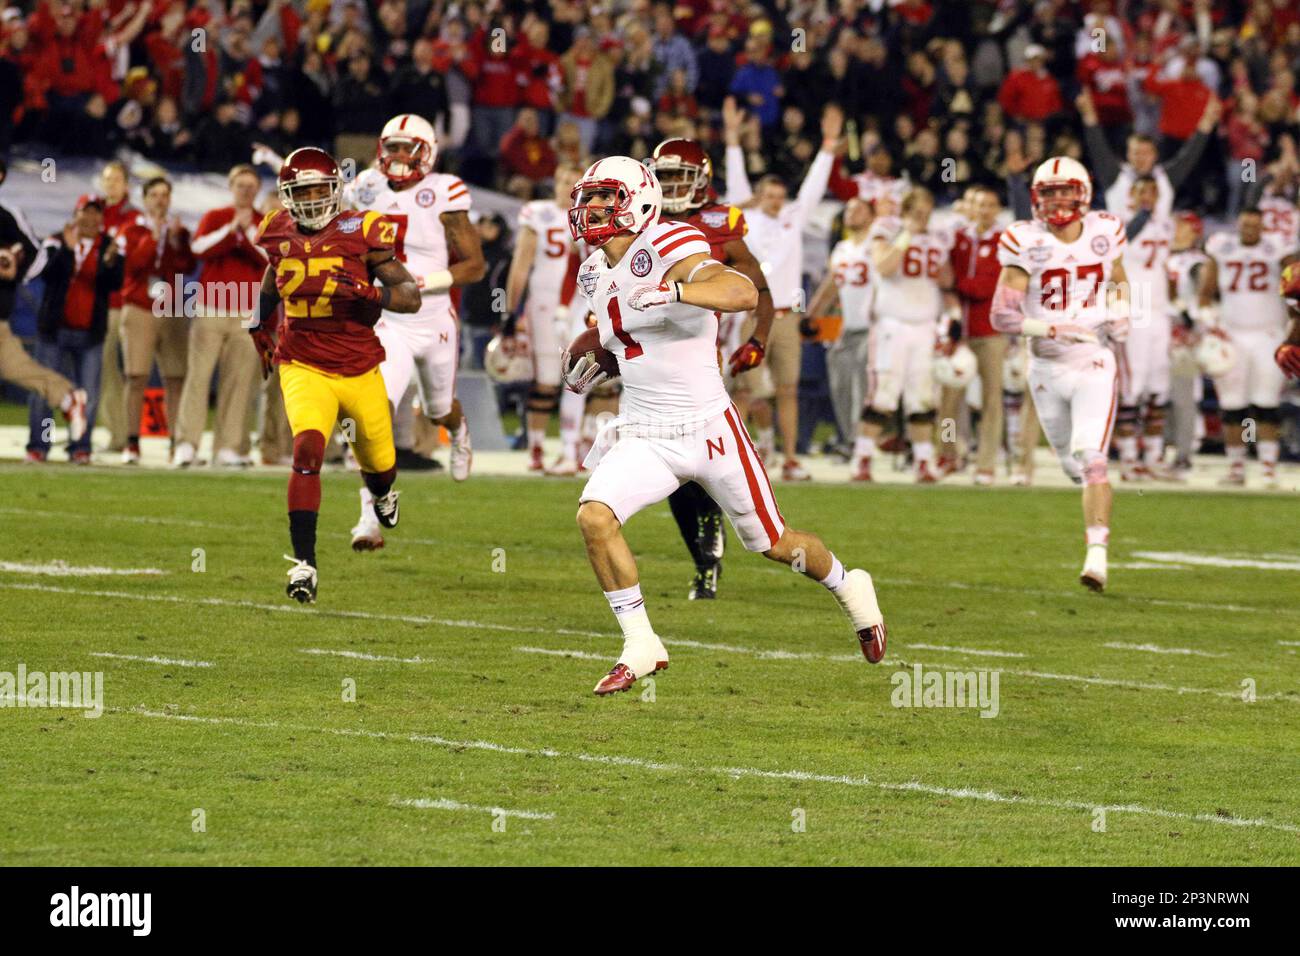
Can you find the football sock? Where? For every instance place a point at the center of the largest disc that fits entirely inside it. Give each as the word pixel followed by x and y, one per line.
pixel 571 407
pixel 923 451
pixel 1128 448
pixel 302 532
pixel 863 447
pixel 1097 535
pixel 1268 453
pixel 1154 450
pixel 835 580
pixel 378 483
pixel 629 607
pixel 536 436
pixel 1236 455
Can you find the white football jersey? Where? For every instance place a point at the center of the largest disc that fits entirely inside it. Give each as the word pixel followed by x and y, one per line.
pixel 667 355
pixel 1184 271
pixel 912 294
pixel 1281 219
pixel 1145 258
pixel 872 186
pixel 554 246
pixel 852 273
pixel 421 237
pixel 1066 279
pixel 1249 279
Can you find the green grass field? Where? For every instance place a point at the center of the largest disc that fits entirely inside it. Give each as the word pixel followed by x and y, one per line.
pixel 768 717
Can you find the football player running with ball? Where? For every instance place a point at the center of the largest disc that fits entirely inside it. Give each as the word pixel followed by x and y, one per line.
pixel 656 293
pixel 1063 287
pixel 323 261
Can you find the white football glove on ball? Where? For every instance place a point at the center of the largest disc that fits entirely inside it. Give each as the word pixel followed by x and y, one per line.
pixel 646 296
pixel 583 374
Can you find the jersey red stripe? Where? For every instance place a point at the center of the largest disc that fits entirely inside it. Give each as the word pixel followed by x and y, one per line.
pixel 660 240
pixel 754 491
pixel 680 242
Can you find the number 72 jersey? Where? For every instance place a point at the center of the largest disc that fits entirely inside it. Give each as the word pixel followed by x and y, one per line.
pixel 1249 279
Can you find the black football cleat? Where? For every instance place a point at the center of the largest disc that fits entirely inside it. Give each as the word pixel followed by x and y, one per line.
pixel 302 582
pixel 386 509
pixel 705 585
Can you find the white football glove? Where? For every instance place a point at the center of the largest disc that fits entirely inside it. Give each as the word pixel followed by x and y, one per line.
pixel 582 375
pixel 646 296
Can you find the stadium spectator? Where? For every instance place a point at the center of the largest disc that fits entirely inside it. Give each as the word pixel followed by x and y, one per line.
pixel 221 139
pixel 230 273
pixel 82 267
pixel 757 83
pixel 496 90
pixel 1106 78
pixel 537 71
pixel 420 88
pixel 477 302
pixel 1031 93
pixel 715 65
pixel 1183 99
pixel 360 105
pixel 525 152
pixel 672 52
pixel 157 251
pixel 588 86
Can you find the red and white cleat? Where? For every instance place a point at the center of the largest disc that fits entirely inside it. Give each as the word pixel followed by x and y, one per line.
pixel 924 476
pixel 462 452
pixel 946 466
pixel 858 599
pixel 1236 476
pixel 984 478
pixel 621 678
pixel 793 471
pixel 563 468
pixel 535 462
pixel 863 472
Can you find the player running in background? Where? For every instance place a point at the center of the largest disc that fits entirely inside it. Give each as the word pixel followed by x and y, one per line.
pixel 322 264
pixel 427 214
pixel 685 175
pixel 1183 269
pixel 1244 271
pixel 1145 369
pixel 849 279
pixel 541 266
pixel 914 279
pixel 656 292
pixel 1063 287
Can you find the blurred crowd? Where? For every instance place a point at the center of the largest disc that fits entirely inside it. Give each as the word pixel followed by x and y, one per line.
pixel 951 91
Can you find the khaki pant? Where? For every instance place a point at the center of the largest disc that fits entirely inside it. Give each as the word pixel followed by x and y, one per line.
pixel 274 438
pixel 112 384
pixel 24 371
pixel 990 351
pixel 145 336
pixel 219 343
pixel 781 361
pixel 1029 434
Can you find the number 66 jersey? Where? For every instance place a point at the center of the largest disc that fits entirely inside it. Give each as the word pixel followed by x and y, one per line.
pixel 1067 280
pixel 667 355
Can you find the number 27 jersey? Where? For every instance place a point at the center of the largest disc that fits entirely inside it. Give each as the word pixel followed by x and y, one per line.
pixel 666 354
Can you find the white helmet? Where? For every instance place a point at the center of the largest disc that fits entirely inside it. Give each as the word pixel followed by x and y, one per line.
pixel 507 361
pixel 956 370
pixel 1015 370
pixel 1061 191
pixel 407 148
pixel 638 200
pixel 1216 355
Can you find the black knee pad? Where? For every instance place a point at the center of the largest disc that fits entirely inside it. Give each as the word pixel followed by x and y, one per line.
pixel 872 417
pixel 1266 416
pixel 921 418
pixel 1233 416
pixel 1127 415
pixel 543 399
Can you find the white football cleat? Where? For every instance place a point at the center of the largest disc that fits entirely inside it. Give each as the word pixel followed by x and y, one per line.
pixel 462 454
pixel 1093 575
pixel 367 535
pixel 640 658
pixel 858 599
pixel 130 455
pixel 74 411
pixel 563 468
pixel 229 458
pixel 183 455
pixel 302 582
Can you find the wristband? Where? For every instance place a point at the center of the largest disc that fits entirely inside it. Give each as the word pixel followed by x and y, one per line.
pixel 1035 327
pixel 437 282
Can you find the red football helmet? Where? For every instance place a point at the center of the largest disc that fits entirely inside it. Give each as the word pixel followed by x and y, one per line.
pixel 1061 191
pixel 634 200
pixel 1193 222
pixel 684 171
pixel 303 170
pixel 407 148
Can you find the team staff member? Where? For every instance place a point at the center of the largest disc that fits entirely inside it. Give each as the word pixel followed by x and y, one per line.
pixel 119 214
pixel 157 250
pixel 232 265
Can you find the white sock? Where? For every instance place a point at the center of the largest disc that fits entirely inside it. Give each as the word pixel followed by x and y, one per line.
pixel 571 407
pixel 863 447
pixel 1128 449
pixel 766 439
pixel 1269 452
pixel 367 499
pixel 1097 535
pixel 1236 455
pixel 629 607
pixel 535 438
pixel 1155 450
pixel 835 580
pixel 923 451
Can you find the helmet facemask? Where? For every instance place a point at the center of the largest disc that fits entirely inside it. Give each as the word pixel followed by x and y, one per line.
pixel 317 211
pixel 1059 203
pixel 403 159
pixel 683 184
pixel 597 223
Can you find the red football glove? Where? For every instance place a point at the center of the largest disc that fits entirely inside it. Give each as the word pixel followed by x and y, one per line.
pixel 1287 357
pixel 264 342
pixel 349 285
pixel 750 355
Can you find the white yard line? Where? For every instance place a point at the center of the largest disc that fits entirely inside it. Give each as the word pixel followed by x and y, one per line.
pixel 584 655
pixel 1156 649
pixel 1289 643
pixel 1219 560
pixel 913 786
pixel 170 661
pixel 964 650
pixel 61 569
pixel 445 804
pixel 358 655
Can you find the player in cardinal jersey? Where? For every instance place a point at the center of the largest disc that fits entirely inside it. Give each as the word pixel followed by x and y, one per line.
pixel 322 261
pixel 1245 272
pixel 913 279
pixel 1287 355
pixel 849 279
pixel 1064 288
pixel 656 292
pixel 1144 379
pixel 685 175
pixel 540 267
pixel 428 215
pixel 1183 269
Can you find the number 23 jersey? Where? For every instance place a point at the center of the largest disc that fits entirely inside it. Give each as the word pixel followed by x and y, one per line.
pixel 331 332
pixel 667 354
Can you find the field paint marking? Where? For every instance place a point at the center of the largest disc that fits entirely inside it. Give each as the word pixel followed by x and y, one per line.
pixel 729 648
pixel 1218 561
pixel 61 569
pixel 965 650
pixel 1142 566
pixel 1289 643
pixel 914 786
pixel 1156 649
pixel 444 804
pixel 897 582
pixel 154 659
pixel 585 655
pixel 358 655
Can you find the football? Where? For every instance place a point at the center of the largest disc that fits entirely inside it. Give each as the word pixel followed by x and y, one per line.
pixel 589 341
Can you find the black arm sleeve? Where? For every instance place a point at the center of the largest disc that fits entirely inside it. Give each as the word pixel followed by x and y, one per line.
pixel 1254 192
pixel 1181 166
pixel 1104 163
pixel 1137 224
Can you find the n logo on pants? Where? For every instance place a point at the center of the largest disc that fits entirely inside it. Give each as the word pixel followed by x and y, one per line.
pixel 719 447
